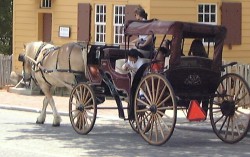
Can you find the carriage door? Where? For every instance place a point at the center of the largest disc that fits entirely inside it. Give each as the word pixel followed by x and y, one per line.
pixel 45 27
pixel 83 22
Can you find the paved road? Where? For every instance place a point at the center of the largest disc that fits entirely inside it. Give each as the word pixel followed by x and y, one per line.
pixel 20 136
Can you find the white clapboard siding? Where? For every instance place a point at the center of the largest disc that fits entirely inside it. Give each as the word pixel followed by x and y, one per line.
pixel 241 69
pixel 5 70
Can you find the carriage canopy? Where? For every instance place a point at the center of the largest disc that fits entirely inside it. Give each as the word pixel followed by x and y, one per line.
pixel 179 31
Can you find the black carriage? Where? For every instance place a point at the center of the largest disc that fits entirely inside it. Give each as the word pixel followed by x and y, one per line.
pixel 154 97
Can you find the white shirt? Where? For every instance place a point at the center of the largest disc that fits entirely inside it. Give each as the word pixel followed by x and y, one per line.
pixel 133 67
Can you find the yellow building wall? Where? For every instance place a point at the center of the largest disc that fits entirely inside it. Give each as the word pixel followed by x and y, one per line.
pixel 64 13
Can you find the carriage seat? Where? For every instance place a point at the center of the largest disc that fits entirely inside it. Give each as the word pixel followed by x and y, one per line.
pixel 195 61
pixel 118 66
pixel 114 53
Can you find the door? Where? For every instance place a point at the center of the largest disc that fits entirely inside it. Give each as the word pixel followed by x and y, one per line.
pixel 83 22
pixel 47 27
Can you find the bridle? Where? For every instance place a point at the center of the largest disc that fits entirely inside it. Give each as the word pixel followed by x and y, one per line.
pixel 21 58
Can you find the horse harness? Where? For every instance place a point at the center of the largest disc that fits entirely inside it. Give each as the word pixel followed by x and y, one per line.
pixel 46 54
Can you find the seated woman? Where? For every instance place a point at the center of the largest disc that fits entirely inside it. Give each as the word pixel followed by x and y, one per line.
pixel 144 43
pixel 197 49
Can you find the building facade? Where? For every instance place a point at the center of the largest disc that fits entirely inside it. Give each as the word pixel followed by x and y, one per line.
pixel 101 21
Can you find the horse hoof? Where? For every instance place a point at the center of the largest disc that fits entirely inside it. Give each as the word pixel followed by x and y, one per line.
pixel 37 122
pixel 56 125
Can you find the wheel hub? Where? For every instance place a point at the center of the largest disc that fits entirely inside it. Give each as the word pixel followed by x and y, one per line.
pixel 81 107
pixel 228 108
pixel 153 109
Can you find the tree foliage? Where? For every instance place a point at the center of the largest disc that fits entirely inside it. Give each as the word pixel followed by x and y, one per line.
pixel 6 12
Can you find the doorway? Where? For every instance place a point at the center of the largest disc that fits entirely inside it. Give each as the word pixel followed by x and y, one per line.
pixel 44 27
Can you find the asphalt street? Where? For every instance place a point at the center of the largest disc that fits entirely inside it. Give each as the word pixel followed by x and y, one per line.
pixel 20 136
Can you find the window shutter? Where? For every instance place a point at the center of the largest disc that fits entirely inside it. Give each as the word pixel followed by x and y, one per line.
pixel 83 22
pixel 232 20
pixel 129 12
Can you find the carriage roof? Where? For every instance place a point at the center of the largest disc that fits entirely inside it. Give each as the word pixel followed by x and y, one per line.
pixel 180 30
pixel 187 29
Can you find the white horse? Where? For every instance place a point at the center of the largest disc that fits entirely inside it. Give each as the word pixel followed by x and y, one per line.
pixel 52 66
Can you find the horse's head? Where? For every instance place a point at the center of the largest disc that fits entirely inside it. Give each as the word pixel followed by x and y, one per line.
pixel 28 58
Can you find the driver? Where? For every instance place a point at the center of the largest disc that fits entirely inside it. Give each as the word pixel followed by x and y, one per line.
pixel 143 43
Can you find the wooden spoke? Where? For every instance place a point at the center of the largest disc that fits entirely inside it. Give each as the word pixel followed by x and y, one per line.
pixel 230 110
pixel 148 91
pixel 86 108
pixel 162 92
pixel 150 116
pixel 163 101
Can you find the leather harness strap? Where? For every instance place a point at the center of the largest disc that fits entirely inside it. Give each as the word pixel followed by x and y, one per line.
pixel 46 54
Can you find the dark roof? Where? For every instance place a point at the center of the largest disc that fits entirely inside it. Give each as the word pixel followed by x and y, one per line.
pixel 188 29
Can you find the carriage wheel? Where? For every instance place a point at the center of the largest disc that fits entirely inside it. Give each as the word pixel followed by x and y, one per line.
pixel 155 109
pixel 133 125
pixel 230 109
pixel 82 108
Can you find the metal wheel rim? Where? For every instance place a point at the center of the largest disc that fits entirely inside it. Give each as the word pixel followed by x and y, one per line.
pixel 82 108
pixel 230 109
pixel 155 120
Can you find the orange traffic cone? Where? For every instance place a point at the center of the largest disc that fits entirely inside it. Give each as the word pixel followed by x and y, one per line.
pixel 195 112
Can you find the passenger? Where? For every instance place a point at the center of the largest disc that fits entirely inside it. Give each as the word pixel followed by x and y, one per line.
pixel 197 49
pixel 160 58
pixel 144 43
pixel 133 63
pixel 167 44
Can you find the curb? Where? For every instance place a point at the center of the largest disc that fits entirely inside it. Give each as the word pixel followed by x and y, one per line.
pixel 28 109
pixel 34 110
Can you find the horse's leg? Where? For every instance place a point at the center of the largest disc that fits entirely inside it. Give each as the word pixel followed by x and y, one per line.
pixel 42 116
pixel 57 119
pixel 49 100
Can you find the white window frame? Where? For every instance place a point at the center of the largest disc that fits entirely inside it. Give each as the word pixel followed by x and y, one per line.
pixel 46 4
pixel 100 23
pixel 207 13
pixel 118 23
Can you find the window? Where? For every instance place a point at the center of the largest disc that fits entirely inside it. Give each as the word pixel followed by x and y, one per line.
pixel 207 13
pixel 119 17
pixel 100 23
pixel 45 3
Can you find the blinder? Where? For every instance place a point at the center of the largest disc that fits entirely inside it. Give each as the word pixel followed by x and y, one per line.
pixel 21 57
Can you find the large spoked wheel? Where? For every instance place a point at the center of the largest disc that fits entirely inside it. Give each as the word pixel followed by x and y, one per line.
pixel 230 109
pixel 155 109
pixel 82 108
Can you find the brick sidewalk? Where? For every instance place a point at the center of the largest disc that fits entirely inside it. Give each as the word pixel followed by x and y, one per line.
pixel 35 102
